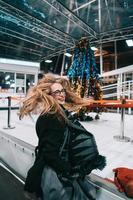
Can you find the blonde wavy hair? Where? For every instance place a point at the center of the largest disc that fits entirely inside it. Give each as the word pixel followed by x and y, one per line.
pixel 40 101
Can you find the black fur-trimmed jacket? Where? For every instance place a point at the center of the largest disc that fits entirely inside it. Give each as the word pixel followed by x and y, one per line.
pixel 50 132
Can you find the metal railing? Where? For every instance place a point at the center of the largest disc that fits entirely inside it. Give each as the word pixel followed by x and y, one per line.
pixel 119 90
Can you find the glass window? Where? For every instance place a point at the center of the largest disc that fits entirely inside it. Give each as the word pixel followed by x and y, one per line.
pixel 19 78
pixel 20 83
pixel 30 81
pixel 7 81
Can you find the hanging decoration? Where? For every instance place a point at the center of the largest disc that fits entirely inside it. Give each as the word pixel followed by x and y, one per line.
pixel 83 73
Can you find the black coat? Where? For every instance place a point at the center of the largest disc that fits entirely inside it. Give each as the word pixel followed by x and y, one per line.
pixel 50 132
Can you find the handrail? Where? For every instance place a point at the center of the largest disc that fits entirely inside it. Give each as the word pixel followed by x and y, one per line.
pixel 118 90
pixel 124 82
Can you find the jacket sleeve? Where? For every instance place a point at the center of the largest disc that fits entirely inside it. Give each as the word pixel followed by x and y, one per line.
pixel 51 136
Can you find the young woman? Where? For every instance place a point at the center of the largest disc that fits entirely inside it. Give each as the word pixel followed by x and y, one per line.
pixel 52 177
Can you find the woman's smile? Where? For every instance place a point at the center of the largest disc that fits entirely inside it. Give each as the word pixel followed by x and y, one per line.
pixel 58 93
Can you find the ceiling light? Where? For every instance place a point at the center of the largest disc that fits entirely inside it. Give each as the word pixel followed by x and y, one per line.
pixel 48 61
pixel 68 54
pixel 94 48
pixel 129 43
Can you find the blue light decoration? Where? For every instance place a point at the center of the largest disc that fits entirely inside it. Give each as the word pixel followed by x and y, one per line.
pixel 83 72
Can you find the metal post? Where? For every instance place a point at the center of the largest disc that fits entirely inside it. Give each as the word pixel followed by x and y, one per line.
pixel 9 115
pixel 9 111
pixel 15 81
pixel 24 84
pixel 63 63
pixel 118 90
pixel 122 122
pixel 67 31
pixel 101 60
pixel 100 29
pixel 115 48
pixel 99 16
pixel 129 95
pixel 121 137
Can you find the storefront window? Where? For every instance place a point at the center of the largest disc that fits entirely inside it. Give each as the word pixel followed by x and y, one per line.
pixel 7 81
pixel 20 83
pixel 30 81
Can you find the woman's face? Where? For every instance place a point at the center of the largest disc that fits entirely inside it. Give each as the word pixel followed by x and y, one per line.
pixel 58 92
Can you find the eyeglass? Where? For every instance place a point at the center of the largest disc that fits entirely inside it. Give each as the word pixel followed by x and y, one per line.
pixel 58 92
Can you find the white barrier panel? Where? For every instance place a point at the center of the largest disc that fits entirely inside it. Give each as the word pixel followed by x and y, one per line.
pixel 18 155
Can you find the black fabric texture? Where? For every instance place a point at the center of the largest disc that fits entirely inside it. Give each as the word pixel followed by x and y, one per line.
pixel 50 132
pixel 83 151
pixel 73 163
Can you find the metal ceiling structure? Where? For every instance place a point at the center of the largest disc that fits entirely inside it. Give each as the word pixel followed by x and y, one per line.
pixel 37 29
